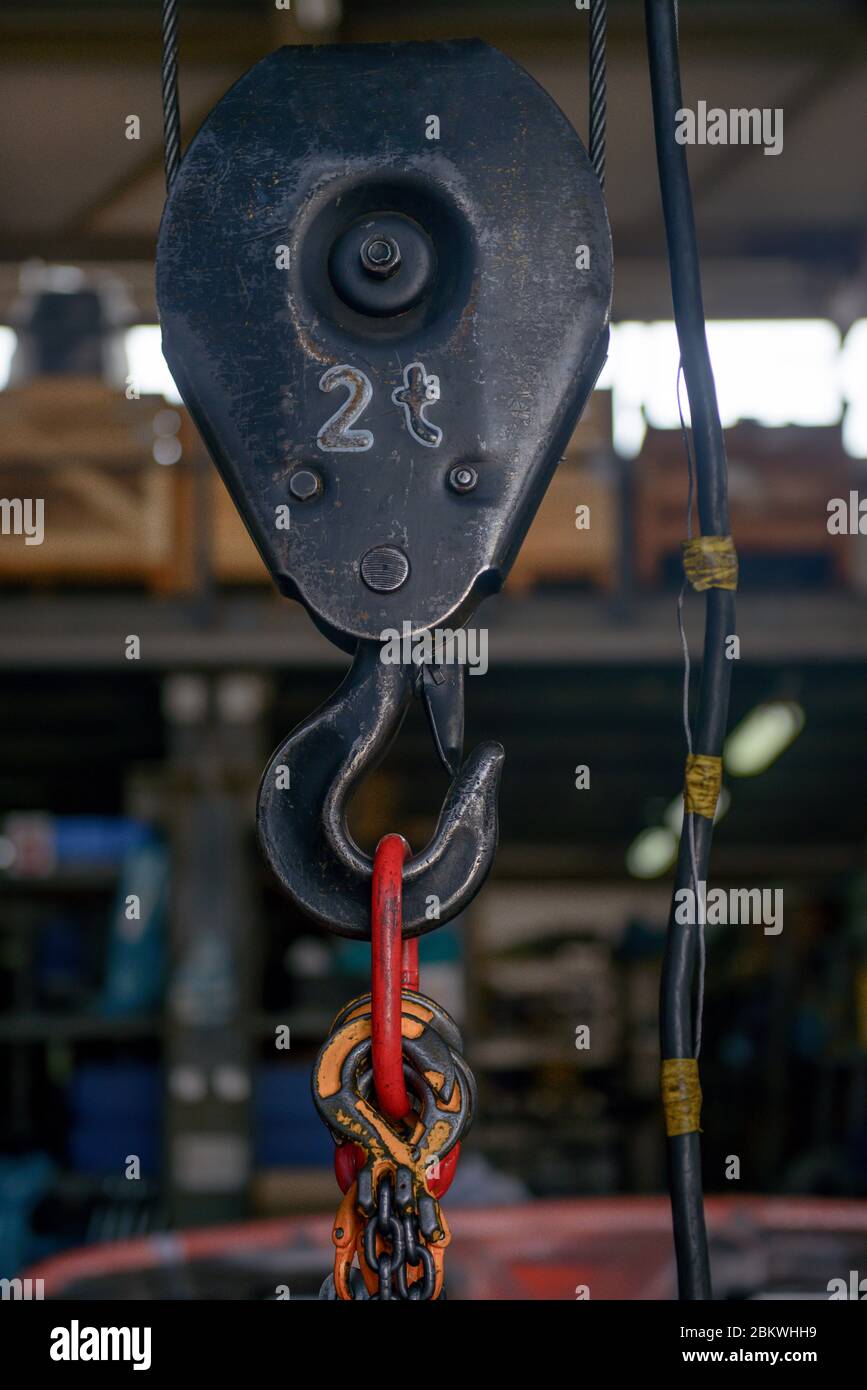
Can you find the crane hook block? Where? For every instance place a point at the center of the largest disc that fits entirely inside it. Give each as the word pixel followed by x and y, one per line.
pixel 384 284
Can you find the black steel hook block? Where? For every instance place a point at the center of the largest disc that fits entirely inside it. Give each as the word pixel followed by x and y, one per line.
pixel 409 420
pixel 384 282
pixel 305 793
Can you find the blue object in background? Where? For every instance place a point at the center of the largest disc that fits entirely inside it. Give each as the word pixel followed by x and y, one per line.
pixel 809 1033
pixel 23 1184
pixel 136 953
pixel 287 1130
pixel 60 965
pixel 98 840
pixel 101 1089
pixel 283 1091
pixel 105 1149
pixel 117 1111
pixel 301 1143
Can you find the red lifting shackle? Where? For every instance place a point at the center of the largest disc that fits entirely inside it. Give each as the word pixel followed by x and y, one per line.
pixel 391 962
pixel 409 964
pixel 349 1158
pixel 386 985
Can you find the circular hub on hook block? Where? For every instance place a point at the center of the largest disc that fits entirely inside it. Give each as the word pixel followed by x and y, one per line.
pixel 383 265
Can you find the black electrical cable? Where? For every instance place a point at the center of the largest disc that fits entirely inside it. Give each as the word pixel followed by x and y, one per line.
pixel 597 54
pixel 677 1028
pixel 171 104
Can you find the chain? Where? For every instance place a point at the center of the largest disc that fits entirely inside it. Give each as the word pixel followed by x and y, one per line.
pixel 393 1249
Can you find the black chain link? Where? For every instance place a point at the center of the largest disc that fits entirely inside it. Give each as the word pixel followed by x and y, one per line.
pixel 403 1252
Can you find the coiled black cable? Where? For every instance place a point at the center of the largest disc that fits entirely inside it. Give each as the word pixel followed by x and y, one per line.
pixel 171 103
pixel 677 1028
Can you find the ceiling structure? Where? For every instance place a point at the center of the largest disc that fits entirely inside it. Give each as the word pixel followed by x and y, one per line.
pixel 71 73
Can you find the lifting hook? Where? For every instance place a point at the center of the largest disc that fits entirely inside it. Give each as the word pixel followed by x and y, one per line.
pixel 305 794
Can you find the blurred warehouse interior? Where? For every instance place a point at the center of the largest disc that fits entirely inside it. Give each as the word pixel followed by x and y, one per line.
pixel 148 668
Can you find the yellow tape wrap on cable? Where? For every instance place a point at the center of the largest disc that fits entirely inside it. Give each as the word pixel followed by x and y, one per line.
pixel 681 1096
pixel 710 562
pixel 701 785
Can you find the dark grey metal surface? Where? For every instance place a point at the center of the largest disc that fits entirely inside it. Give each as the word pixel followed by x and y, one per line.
pixel 310 144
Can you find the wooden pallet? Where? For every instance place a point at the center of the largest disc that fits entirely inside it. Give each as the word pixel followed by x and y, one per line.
pixel 555 549
pixel 85 452
pixel 780 482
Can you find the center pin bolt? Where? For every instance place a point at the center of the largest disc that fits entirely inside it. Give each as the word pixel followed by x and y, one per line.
pixel 380 255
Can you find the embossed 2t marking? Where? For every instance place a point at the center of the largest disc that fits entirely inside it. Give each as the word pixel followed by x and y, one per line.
pixel 418 391
pixel 337 435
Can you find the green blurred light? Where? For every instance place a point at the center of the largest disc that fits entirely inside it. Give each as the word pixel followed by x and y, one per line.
pixel 762 736
pixel 652 852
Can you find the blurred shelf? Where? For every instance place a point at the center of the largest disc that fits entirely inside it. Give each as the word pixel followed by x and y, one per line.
pixel 62 883
pixel 527 1132
pixel 49 1027
pixel 42 632
pixel 520 1052
pixel 305 1024
pixel 302 1023
pixel 275 1191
